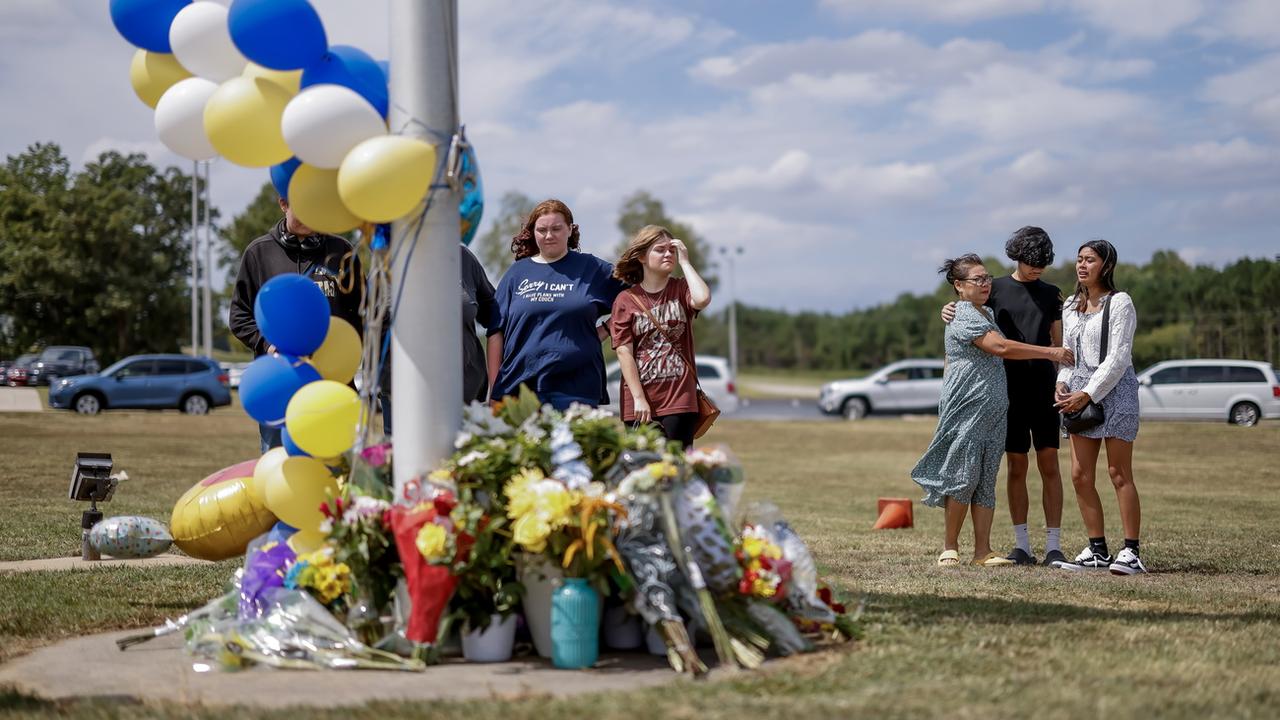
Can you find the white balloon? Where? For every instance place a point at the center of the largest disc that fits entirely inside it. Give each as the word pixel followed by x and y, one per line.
pixel 180 118
pixel 325 121
pixel 202 42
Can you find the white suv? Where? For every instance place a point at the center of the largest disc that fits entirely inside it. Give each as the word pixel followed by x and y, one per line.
pixel 713 376
pixel 901 387
pixel 1240 391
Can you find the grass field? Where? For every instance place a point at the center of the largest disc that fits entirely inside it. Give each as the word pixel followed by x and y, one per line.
pixel 1198 637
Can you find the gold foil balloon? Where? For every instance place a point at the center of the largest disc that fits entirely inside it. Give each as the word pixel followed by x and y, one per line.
pixel 217 517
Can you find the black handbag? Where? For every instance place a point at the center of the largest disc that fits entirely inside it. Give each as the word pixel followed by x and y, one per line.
pixel 1091 415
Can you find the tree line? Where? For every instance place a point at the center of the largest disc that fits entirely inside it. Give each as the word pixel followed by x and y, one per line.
pixel 100 257
pixel 1184 311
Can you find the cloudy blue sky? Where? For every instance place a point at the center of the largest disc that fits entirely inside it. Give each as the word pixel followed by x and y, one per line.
pixel 847 145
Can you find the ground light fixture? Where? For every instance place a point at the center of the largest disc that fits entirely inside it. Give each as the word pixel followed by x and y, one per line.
pixel 92 482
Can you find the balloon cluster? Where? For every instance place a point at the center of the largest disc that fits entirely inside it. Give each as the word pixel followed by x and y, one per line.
pixel 258 84
pixel 303 387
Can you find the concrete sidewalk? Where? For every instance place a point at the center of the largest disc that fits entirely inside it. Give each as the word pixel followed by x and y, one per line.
pixel 20 400
pixel 75 563
pixel 160 670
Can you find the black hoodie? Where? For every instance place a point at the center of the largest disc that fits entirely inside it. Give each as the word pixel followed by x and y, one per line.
pixel 278 253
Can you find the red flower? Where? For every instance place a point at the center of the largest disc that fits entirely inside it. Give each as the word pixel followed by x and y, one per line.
pixel 444 503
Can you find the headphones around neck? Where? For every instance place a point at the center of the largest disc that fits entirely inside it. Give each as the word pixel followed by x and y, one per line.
pixel 306 243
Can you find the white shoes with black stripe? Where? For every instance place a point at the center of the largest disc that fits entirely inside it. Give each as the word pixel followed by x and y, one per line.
pixel 1086 560
pixel 1127 563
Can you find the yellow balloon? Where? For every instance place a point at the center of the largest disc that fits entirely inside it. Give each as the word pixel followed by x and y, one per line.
pixel 313 195
pixel 386 177
pixel 305 542
pixel 322 418
pixel 290 80
pixel 217 517
pixel 339 355
pixel 153 73
pixel 267 465
pixel 297 488
pixel 242 120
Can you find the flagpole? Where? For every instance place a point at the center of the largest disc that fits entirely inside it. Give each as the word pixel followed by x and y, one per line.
pixel 426 359
pixel 208 266
pixel 195 257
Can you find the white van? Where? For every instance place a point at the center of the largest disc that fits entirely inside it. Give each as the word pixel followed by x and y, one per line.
pixel 713 376
pixel 1240 391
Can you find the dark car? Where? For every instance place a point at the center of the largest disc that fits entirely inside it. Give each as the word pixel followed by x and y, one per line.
pixel 16 375
pixel 193 385
pixel 58 361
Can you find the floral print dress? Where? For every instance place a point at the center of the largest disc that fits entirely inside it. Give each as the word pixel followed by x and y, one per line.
pixel 964 458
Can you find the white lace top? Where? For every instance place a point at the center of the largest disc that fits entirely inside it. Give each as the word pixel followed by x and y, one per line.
pixel 1082 333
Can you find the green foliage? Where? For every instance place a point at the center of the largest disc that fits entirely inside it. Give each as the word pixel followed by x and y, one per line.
pixel 493 247
pixel 1183 311
pixel 98 258
pixel 640 209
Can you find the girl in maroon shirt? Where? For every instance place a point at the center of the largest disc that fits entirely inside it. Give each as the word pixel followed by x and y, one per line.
pixel 653 333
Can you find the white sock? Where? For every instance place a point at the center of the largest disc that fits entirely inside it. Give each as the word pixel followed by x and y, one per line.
pixel 1021 539
pixel 1051 540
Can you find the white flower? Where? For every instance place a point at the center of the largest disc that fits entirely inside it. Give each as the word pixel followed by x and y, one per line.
pixel 471 457
pixel 326 525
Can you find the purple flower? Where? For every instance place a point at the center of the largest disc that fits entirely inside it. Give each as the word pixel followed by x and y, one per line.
pixel 264 570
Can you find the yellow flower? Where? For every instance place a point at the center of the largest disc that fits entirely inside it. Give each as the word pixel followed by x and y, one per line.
pixel 521 492
pixel 431 541
pixel 531 532
pixel 752 546
pixel 555 502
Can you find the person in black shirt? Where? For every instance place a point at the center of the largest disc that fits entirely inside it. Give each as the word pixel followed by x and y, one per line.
pixel 292 247
pixel 1029 310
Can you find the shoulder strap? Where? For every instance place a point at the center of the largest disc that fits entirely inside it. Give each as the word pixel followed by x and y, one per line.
pixel 693 365
pixel 1106 328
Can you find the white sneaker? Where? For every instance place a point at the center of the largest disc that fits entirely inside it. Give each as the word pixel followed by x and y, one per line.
pixel 1086 560
pixel 1127 563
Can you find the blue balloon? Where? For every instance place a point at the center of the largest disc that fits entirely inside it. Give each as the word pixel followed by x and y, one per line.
pixel 281 174
pixel 352 68
pixel 278 34
pixel 145 23
pixel 292 314
pixel 471 207
pixel 385 65
pixel 270 382
pixel 290 447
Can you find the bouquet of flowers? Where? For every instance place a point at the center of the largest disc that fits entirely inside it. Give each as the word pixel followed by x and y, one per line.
pixel 765 572
pixel 359 531
pixel 572 527
pixel 486 572
pixel 427 544
pixel 719 467
pixel 319 574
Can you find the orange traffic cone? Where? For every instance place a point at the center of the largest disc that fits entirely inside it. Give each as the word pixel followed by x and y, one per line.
pixel 894 513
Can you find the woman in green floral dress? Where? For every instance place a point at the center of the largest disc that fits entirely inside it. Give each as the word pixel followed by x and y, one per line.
pixel 958 471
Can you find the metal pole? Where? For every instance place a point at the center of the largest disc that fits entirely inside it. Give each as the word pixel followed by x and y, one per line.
pixel 208 267
pixel 426 363
pixel 195 235
pixel 733 311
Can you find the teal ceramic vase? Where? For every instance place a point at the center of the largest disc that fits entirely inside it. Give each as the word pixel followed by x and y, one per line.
pixel 575 624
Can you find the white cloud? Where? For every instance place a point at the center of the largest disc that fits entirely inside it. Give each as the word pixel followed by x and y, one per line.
pixel 957 11
pixel 1146 19
pixel 1245 86
pixel 838 88
pixel 1004 102
pixel 793 169
pixel 1252 21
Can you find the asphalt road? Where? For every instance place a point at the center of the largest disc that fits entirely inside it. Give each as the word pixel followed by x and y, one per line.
pixel 784 409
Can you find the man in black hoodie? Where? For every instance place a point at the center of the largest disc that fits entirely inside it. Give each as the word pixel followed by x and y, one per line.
pixel 292 247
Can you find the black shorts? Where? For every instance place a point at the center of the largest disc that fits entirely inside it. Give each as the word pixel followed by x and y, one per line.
pixel 1033 420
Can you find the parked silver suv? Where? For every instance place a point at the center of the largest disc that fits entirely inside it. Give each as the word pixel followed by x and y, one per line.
pixel 1241 392
pixel 901 387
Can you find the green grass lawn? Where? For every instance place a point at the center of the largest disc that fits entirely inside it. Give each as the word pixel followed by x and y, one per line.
pixel 1198 637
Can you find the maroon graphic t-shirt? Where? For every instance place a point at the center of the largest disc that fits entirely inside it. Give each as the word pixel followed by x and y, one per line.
pixel 664 354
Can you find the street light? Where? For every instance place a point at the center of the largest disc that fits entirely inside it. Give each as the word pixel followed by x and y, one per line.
pixel 729 254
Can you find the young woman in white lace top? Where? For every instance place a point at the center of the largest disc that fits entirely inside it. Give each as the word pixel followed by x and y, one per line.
pixel 1112 384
